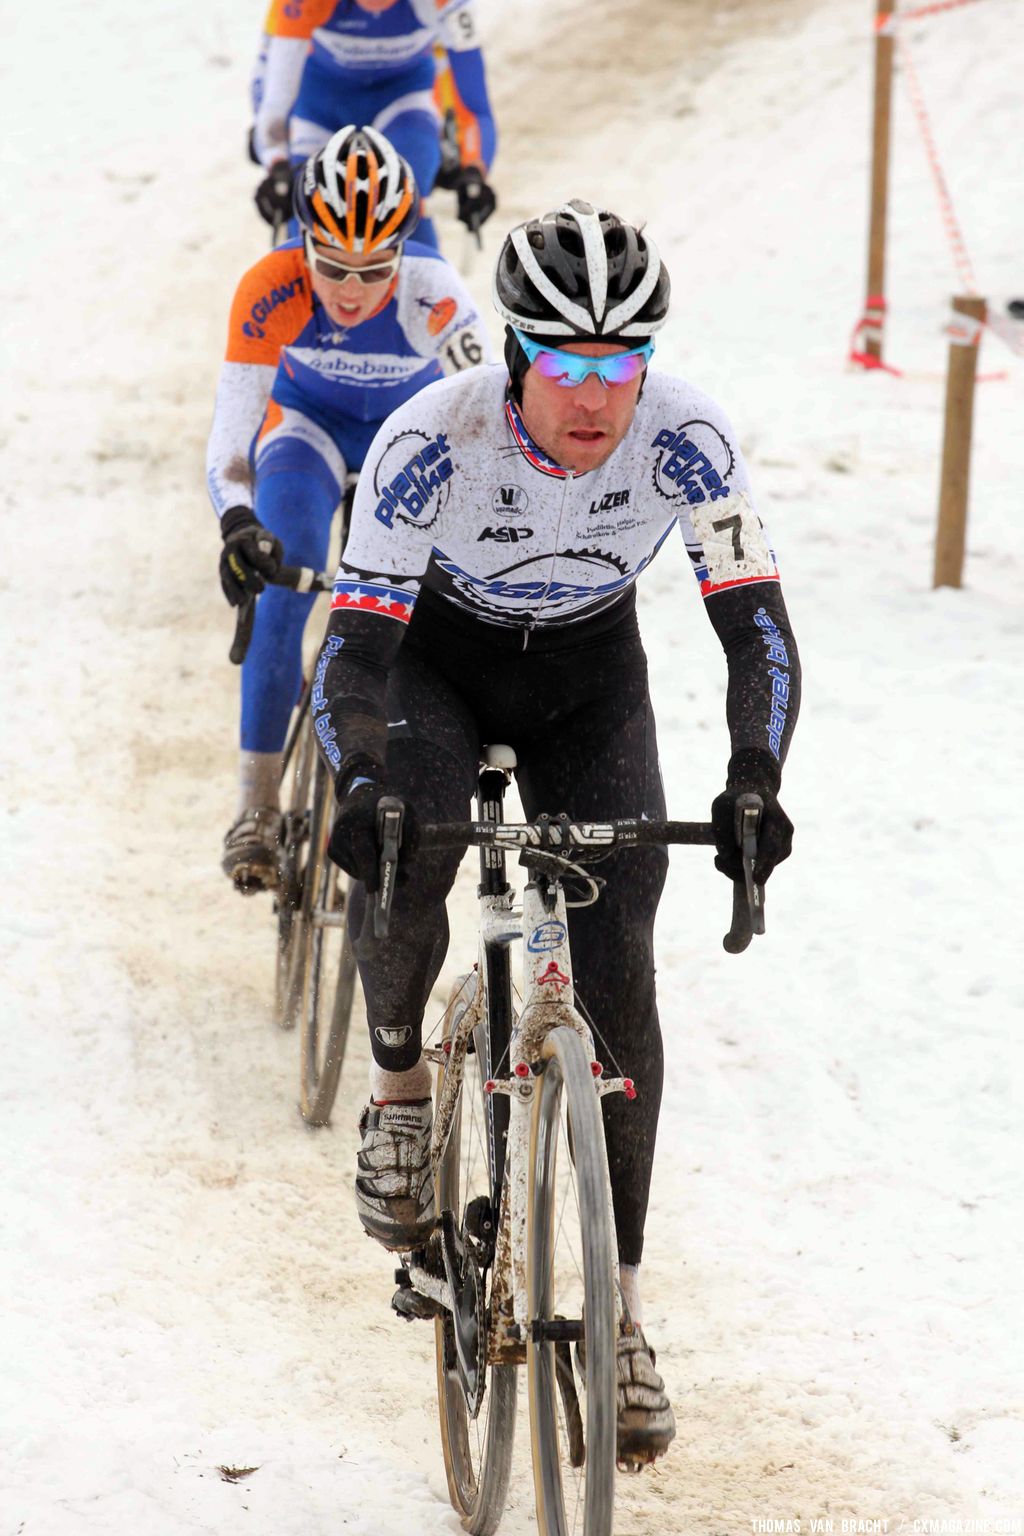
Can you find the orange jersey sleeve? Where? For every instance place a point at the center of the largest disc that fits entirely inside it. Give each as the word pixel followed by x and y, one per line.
pixel 272 304
pixel 298 18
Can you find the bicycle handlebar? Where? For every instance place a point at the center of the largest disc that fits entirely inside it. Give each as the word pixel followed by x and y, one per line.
pixel 562 837
pixel 557 834
pixel 299 578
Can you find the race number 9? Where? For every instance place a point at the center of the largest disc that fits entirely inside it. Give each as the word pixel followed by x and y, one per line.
pixel 464 29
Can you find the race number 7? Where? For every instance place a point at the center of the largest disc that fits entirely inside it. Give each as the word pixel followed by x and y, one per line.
pixel 735 523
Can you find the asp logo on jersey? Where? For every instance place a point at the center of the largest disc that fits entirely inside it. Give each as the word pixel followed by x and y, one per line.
pixel 410 473
pixel 694 463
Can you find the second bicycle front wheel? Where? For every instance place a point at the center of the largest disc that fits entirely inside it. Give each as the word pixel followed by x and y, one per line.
pixel 329 964
pixel 572 1300
pixel 477 1434
pixel 291 904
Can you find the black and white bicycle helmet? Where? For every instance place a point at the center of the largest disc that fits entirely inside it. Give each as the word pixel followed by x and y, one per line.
pixel 357 193
pixel 581 273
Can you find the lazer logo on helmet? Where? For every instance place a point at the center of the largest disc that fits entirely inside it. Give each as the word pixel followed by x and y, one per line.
pixel 422 476
pixel 694 463
pixel 265 306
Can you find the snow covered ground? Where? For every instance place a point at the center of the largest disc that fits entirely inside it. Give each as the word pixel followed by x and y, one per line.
pixel 833 1257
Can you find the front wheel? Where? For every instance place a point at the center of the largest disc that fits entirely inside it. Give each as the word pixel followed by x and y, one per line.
pixel 477 1428
pixel 292 900
pixel 329 968
pixel 572 1301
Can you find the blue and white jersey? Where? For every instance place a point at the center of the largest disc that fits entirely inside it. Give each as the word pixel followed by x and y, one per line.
pixel 284 349
pixel 349 48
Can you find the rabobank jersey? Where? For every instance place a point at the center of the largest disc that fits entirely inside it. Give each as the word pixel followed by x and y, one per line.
pixel 377 43
pixel 350 46
pixel 282 341
pixel 456 496
pixel 459 506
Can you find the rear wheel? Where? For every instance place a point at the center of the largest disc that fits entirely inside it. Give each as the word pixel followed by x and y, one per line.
pixel 329 963
pixel 477 1414
pixel 572 1302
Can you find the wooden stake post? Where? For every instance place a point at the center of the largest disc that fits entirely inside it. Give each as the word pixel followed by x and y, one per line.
pixel 872 333
pixel 951 535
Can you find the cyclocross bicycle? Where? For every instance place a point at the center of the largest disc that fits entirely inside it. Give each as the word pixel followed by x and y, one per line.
pixel 521 1267
pixel 315 970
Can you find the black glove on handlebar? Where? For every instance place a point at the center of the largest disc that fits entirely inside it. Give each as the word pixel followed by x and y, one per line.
pixel 273 196
pixel 476 199
pixel 353 845
pixel 250 553
pixel 751 770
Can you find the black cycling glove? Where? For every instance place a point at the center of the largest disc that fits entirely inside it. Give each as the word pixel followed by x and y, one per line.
pixel 273 196
pixel 751 769
pixel 250 553
pixel 353 845
pixel 476 199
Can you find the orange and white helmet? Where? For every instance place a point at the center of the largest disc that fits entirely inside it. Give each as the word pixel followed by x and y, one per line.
pixel 357 193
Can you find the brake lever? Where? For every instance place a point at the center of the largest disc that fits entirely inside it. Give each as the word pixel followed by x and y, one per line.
pixel 749 808
pixel 245 617
pixel 390 815
pixel 748 896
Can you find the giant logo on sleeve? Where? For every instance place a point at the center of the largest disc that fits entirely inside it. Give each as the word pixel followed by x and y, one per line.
pixel 693 463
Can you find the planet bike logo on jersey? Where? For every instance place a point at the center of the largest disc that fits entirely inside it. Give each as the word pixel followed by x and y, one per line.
pixel 694 463
pixel 779 657
pixel 326 734
pixel 410 473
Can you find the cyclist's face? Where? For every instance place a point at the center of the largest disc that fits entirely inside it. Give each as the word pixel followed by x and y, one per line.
pixel 582 426
pixel 352 301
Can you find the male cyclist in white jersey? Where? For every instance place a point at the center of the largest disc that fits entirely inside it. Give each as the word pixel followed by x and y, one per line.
pixel 486 593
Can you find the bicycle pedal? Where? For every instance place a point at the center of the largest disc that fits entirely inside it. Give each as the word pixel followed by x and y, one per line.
pixel 412 1304
pixel 252 881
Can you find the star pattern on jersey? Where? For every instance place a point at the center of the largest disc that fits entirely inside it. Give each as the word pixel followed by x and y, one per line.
pixel 374 597
pixel 528 448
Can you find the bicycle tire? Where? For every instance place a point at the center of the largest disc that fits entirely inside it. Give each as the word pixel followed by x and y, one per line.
pixel 477 1465
pixel 329 965
pixel 292 900
pixel 570 1271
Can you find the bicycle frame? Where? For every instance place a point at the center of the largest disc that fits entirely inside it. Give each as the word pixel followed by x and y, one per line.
pixel 548 1001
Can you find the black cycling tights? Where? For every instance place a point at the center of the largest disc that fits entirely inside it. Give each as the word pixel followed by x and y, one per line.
pixel 579 718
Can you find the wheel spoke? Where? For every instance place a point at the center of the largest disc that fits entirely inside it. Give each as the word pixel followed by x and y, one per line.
pixel 570 1276
pixel 478 1449
pixel 329 965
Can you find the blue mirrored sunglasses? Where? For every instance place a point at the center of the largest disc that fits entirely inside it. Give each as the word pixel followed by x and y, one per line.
pixel 570 368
